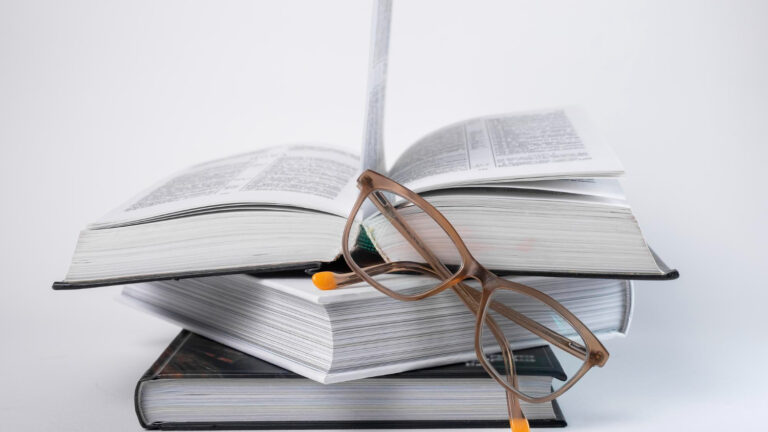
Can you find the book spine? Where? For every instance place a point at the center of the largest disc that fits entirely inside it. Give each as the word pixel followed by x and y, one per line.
pixel 154 370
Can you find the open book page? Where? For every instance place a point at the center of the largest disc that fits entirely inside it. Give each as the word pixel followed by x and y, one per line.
pixel 534 145
pixel 301 176
pixel 600 187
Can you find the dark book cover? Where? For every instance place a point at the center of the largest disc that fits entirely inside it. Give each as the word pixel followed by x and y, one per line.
pixel 275 270
pixel 362 256
pixel 191 356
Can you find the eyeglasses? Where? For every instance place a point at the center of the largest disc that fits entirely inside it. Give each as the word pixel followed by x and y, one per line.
pixel 414 237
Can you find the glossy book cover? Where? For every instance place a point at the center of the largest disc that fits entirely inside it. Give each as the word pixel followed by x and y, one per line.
pixel 192 357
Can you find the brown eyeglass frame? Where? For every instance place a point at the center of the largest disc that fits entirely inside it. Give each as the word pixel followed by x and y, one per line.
pixel 593 354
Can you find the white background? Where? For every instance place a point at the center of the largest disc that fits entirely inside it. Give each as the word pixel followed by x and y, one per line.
pixel 100 99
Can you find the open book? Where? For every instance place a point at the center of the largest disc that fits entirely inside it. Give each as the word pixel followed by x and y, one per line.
pixel 530 193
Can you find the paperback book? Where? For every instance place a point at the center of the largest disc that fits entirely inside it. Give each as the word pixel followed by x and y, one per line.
pixel 357 332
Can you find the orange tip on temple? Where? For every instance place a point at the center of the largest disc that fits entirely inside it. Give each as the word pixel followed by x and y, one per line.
pixel 519 425
pixel 324 280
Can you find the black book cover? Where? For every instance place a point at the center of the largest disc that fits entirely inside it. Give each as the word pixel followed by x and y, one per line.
pixel 277 270
pixel 339 265
pixel 191 356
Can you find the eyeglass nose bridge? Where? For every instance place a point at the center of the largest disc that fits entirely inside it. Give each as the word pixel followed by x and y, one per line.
pixel 471 268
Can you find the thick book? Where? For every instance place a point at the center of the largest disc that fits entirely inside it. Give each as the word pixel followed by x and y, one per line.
pixel 529 193
pixel 199 384
pixel 357 332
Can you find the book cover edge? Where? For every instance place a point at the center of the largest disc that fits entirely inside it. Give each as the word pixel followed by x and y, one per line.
pixel 270 269
pixel 166 356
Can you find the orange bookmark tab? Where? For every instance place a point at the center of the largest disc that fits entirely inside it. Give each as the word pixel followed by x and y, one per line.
pixel 519 425
pixel 324 280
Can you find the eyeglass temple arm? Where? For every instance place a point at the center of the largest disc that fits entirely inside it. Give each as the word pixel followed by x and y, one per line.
pixel 517 421
pixel 329 280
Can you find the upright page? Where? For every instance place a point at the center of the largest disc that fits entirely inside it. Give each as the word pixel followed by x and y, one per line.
pixel 372 155
pixel 373 131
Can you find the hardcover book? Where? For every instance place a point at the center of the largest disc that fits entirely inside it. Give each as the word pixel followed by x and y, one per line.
pixel 199 384
pixel 530 193
pixel 523 200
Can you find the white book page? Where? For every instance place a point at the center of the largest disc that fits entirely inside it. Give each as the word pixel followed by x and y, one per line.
pixel 304 176
pixel 302 287
pixel 373 132
pixel 534 145
pixel 372 155
pixel 599 187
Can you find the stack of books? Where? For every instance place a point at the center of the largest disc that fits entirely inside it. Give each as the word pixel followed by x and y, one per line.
pixel 225 249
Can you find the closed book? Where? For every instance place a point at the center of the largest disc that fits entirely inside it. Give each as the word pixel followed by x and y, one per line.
pixel 200 384
pixel 358 332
